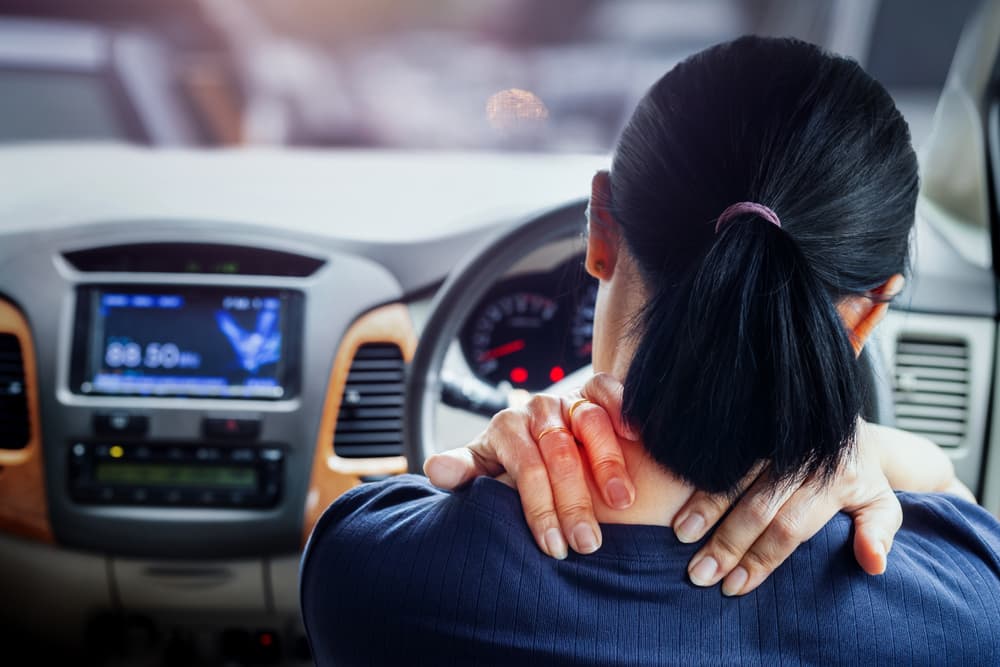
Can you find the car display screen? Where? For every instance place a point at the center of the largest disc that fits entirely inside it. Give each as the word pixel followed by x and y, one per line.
pixel 208 342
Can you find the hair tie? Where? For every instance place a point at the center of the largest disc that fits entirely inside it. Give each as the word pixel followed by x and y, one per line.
pixel 747 207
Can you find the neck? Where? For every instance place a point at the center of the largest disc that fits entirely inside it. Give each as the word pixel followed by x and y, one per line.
pixel 659 494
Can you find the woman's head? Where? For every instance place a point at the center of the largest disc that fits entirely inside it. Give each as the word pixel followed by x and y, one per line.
pixel 745 338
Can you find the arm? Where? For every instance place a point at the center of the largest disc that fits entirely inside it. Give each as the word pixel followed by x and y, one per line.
pixel 913 463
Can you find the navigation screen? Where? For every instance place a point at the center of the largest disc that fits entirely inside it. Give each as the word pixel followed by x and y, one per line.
pixel 210 342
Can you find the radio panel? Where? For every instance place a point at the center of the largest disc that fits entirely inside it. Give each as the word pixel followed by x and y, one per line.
pixel 175 474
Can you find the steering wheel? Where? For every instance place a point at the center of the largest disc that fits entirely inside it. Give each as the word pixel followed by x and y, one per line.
pixel 466 285
pixel 469 282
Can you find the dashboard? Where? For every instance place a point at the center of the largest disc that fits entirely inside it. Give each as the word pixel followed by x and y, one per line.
pixel 199 352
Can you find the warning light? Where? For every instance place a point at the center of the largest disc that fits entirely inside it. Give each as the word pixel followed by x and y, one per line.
pixel 266 639
pixel 116 451
pixel 518 375
pixel 557 373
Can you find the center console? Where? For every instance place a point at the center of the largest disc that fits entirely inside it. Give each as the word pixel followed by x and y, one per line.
pixel 182 341
pixel 183 382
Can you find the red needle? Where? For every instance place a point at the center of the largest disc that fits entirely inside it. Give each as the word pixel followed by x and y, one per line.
pixel 503 350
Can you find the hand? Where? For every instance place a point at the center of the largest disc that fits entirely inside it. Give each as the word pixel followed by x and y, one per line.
pixel 550 474
pixel 759 534
pixel 767 525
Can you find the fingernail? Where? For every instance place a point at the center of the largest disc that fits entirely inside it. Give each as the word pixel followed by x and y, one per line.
pixel 618 494
pixel 703 573
pixel 735 582
pixel 691 528
pixel 882 554
pixel 441 472
pixel 555 544
pixel 585 539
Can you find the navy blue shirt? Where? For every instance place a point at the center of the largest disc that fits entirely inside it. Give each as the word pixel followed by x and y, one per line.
pixel 399 572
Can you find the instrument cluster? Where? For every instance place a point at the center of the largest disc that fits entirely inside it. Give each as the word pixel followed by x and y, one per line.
pixel 533 329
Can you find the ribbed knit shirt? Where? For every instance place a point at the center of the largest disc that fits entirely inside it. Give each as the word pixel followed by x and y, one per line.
pixel 401 573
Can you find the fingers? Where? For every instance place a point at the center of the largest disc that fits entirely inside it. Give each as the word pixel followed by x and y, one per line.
pixel 875 526
pixel 592 426
pixel 455 467
pixel 566 474
pixel 606 391
pixel 507 445
pixel 703 510
pixel 803 515
pixel 517 451
pixel 737 534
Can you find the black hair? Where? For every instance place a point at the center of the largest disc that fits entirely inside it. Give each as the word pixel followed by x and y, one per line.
pixel 741 355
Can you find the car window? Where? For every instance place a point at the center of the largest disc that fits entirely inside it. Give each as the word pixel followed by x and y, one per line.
pixel 914 41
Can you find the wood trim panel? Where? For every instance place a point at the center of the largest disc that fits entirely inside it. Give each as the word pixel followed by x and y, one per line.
pixel 331 474
pixel 24 508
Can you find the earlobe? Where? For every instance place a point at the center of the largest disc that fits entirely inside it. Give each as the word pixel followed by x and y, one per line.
pixel 861 314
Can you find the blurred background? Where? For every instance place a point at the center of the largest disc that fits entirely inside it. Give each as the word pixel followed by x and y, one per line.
pixel 552 75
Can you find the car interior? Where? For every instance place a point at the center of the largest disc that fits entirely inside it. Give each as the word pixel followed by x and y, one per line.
pixel 201 347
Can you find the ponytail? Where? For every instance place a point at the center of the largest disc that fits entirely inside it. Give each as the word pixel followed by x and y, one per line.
pixel 741 356
pixel 746 362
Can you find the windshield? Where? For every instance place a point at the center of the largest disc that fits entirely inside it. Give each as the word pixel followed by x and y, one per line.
pixel 552 76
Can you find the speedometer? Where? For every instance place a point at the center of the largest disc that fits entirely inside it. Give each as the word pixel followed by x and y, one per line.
pixel 517 338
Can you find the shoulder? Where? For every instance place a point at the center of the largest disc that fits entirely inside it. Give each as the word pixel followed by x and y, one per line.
pixel 393 545
pixel 371 507
pixel 955 522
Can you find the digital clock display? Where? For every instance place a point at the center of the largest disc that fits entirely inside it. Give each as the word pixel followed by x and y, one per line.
pixel 211 342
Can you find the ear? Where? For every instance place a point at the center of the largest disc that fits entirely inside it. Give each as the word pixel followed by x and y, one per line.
pixel 861 314
pixel 602 230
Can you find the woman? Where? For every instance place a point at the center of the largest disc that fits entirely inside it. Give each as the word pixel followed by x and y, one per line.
pixel 751 231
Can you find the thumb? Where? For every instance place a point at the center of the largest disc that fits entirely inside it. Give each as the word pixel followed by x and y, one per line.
pixel 875 526
pixel 455 467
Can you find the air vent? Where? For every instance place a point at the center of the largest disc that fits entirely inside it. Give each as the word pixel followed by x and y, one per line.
pixel 370 423
pixel 14 428
pixel 932 387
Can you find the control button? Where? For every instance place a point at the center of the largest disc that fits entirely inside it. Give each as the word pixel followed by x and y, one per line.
pixel 139 495
pixel 242 454
pixel 245 429
pixel 207 498
pixel 120 423
pixel 173 497
pixel 107 494
pixel 79 450
pixel 207 454
pixel 142 452
pixel 272 454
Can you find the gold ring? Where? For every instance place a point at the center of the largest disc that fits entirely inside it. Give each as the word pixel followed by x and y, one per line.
pixel 577 403
pixel 551 429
